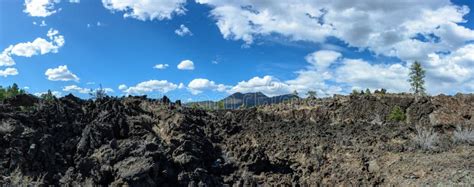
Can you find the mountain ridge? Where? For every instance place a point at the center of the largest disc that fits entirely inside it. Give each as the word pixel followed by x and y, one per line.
pixel 239 99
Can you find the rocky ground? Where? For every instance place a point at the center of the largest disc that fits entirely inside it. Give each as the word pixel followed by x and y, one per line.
pixel 346 140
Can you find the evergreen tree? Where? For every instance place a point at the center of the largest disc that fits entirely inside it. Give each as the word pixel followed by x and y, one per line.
pixel 295 93
pixel 49 96
pixel 220 105
pixel 417 78
pixel 311 94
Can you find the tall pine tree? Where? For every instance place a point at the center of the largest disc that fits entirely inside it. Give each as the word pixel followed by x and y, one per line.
pixel 417 78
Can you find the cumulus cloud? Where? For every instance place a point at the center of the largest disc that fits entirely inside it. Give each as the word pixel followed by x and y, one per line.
pixel 183 31
pixel 199 85
pixel 351 73
pixel 181 86
pixel 40 8
pixel 186 65
pixel 75 88
pixel 449 73
pixel 61 73
pixel 408 30
pixel 360 74
pixel 74 1
pixel 147 10
pixel 78 89
pixel 8 72
pixel 5 57
pixel 322 59
pixel 55 93
pixel 162 86
pixel 39 46
pixel 161 66
pixel 122 87
pixel 268 85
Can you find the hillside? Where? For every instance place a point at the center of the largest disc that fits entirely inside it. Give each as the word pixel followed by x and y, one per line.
pixel 343 140
pixel 238 100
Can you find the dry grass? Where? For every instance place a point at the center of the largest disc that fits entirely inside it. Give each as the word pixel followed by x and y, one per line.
pixel 17 178
pixel 426 138
pixel 463 135
pixel 5 127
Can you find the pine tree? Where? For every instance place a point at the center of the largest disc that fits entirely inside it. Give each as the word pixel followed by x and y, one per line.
pixel 295 93
pixel 311 94
pixel 417 78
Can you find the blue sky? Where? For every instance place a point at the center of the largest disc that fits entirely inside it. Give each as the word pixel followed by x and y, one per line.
pixel 248 46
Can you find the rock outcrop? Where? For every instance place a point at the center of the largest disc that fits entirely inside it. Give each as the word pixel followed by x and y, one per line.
pixel 144 142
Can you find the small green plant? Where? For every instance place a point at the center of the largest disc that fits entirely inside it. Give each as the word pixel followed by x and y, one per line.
pixel 397 114
pixel 367 92
pixel 49 96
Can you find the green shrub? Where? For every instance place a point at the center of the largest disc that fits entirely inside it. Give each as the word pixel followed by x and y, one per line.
pixel 355 92
pixel 220 105
pixel 397 114
pixel 49 96
pixel 10 91
pixel 367 92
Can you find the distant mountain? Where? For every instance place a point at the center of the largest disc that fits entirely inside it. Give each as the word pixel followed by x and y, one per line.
pixel 238 99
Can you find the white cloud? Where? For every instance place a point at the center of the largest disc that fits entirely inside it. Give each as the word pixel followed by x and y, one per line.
pixel 161 66
pixel 326 81
pixel 61 73
pixel 5 57
pixel 323 59
pixel 181 86
pixel 8 72
pixel 39 46
pixel 55 93
pixel 147 10
pixel 74 1
pixel 162 86
pixel 183 31
pixel 360 74
pixel 199 85
pixel 40 8
pixel 450 73
pixel 122 87
pixel 75 88
pixel 384 27
pixel 43 24
pixel 78 89
pixel 106 90
pixel 186 65
pixel 268 85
